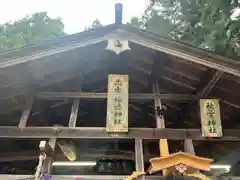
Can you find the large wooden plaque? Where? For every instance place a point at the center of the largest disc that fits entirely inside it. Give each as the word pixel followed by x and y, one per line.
pixel 210 118
pixel 117 103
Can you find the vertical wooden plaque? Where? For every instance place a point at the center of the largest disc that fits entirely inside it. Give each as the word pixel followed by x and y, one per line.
pixel 117 103
pixel 210 118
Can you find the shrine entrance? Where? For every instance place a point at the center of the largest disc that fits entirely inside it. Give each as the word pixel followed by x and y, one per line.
pixel 116 103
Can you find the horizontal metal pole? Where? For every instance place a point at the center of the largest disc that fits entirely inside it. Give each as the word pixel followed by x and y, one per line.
pixel 92 95
pixel 100 132
pixel 100 177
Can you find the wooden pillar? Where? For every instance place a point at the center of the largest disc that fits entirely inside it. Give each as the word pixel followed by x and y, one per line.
pixel 163 143
pixel 47 164
pixel 188 146
pixel 26 112
pixel 139 158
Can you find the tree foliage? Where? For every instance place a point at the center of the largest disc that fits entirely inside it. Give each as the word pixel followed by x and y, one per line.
pixel 202 23
pixel 30 30
pixel 95 24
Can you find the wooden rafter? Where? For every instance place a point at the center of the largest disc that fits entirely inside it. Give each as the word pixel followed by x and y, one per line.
pixel 180 84
pixel 157 69
pixel 205 89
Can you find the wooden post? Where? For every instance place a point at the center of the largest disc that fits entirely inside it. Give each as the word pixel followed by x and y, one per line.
pixel 26 113
pixel 189 147
pixel 158 108
pixel 47 164
pixel 75 106
pixel 139 158
pixel 163 144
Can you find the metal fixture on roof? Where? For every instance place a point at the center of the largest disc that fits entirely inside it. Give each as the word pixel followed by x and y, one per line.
pixel 118 45
pixel 118 13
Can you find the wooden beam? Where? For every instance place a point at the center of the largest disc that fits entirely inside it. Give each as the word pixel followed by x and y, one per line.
pixel 105 177
pixel 26 113
pixel 90 95
pixel 95 132
pixel 95 177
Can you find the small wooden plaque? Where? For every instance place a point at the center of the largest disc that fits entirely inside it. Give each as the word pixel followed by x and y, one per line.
pixel 117 103
pixel 210 118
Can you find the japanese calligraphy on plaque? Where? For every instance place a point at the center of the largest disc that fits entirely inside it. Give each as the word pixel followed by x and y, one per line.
pixel 210 118
pixel 117 103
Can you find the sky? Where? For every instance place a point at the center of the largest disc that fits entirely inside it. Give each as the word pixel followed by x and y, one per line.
pixel 76 14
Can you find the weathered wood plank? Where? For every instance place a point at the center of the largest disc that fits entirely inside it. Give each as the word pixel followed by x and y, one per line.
pixel 91 132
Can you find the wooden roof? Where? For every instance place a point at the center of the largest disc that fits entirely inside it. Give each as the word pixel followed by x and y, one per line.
pixel 179 68
pixel 61 64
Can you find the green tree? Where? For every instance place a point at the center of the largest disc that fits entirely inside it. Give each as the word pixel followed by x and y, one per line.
pixel 153 21
pixel 30 30
pixel 95 24
pixel 206 24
